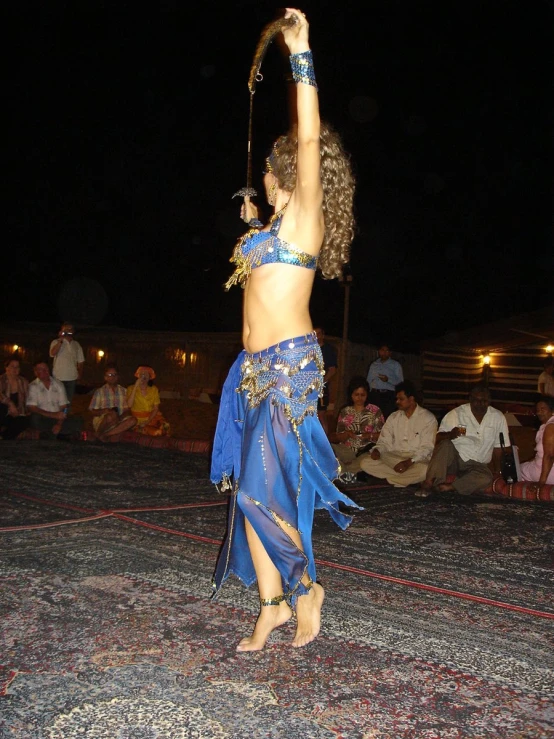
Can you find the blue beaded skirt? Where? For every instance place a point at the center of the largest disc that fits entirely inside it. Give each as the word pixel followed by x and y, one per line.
pixel 272 455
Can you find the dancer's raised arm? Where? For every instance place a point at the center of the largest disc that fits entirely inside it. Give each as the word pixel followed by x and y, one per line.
pixel 308 190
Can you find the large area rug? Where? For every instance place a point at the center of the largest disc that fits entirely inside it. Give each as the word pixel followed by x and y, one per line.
pixel 438 620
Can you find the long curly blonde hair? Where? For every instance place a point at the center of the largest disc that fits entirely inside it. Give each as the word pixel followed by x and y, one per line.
pixel 338 193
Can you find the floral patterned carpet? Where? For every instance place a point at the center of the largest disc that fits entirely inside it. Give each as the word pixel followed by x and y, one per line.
pixel 438 620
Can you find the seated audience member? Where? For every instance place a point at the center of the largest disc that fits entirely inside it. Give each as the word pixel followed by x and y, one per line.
pixel 406 442
pixel 109 407
pixel 49 408
pixel 546 378
pixel 13 399
pixel 468 439
pixel 358 425
pixel 144 401
pixel 541 469
pixel 383 376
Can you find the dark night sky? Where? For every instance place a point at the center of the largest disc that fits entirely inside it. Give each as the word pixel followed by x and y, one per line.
pixel 128 139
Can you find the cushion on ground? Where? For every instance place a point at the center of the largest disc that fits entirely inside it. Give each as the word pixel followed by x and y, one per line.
pixel 29 434
pixel 153 442
pixel 162 442
pixel 517 490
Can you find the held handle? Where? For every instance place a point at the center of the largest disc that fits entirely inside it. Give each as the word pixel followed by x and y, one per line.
pixel 267 36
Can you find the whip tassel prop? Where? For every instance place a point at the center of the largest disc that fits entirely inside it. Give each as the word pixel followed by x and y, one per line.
pixel 267 36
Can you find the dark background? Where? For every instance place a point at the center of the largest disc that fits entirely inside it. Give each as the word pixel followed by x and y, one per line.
pixel 127 139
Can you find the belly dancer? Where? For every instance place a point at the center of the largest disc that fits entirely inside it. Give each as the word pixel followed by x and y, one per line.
pixel 270 450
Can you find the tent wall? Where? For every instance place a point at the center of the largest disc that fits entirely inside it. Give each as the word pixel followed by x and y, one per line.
pixel 514 374
pixel 447 377
pixel 512 377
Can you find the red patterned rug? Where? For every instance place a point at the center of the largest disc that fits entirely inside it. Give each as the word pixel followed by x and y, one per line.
pixel 438 620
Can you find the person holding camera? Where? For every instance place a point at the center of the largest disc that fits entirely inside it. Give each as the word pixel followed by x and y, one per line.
pixel 69 359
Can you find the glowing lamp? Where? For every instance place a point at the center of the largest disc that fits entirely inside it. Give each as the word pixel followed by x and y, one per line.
pixel 16 347
pixel 100 353
pixel 550 349
pixel 487 359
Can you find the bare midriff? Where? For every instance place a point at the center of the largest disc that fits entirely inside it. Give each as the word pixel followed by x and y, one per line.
pixel 276 305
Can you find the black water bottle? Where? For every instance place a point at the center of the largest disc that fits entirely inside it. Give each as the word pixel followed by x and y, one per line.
pixel 508 465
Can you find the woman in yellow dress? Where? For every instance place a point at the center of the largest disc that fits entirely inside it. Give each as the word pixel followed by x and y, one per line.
pixel 144 401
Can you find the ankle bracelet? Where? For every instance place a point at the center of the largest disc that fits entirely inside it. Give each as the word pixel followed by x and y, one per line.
pixel 277 600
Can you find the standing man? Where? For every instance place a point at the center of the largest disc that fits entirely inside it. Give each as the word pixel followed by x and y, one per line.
pixel 69 359
pixel 546 378
pixel 405 444
pixel 47 403
pixel 468 439
pixel 383 377
pixel 330 367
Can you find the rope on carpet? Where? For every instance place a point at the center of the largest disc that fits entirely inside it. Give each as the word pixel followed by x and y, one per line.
pixel 103 513
pixel 118 514
pixel 436 589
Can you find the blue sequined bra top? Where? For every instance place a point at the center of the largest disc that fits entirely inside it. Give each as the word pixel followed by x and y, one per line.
pixel 265 247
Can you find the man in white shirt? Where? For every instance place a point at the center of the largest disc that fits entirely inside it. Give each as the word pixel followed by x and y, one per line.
pixel 468 439
pixel 384 375
pixel 69 359
pixel 48 406
pixel 405 443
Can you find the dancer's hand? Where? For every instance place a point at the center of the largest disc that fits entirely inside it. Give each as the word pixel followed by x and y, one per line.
pixel 297 36
pixel 248 210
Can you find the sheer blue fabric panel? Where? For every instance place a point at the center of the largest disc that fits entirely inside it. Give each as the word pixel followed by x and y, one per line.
pixel 286 465
pixel 227 445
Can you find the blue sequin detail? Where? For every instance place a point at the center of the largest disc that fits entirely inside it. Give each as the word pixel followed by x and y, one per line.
pixel 270 249
pixel 265 247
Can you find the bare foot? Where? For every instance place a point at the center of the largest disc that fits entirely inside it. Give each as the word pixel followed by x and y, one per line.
pixel 308 615
pixel 425 489
pixel 445 487
pixel 270 618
